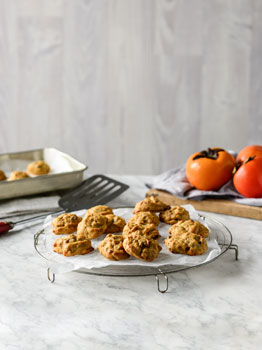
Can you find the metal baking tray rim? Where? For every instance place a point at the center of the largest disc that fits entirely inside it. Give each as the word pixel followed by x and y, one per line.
pixel 43 183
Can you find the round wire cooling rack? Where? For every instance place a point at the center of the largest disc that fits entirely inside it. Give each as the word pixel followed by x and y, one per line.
pixel 221 233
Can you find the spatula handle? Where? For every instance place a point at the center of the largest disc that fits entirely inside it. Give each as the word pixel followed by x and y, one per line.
pixel 5 226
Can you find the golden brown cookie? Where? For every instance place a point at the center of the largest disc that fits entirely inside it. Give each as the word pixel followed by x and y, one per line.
pixel 17 175
pixel 100 209
pixel 151 203
pixel 39 167
pixel 177 230
pixel 148 230
pixel 2 175
pixel 203 230
pixel 70 245
pixel 173 215
pixel 115 223
pixel 92 226
pixel 141 247
pixel 189 226
pixel 65 223
pixel 187 243
pixel 144 217
pixel 112 248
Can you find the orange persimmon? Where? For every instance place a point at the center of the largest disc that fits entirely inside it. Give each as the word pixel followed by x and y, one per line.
pixel 210 169
pixel 248 178
pixel 249 151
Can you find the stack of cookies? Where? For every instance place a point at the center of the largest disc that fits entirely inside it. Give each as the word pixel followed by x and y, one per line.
pixel 186 236
pixel 139 237
pixel 96 222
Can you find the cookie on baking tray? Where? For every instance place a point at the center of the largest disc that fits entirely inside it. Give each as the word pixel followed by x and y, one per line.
pixel 148 230
pixel 144 217
pixel 115 223
pixel 38 167
pixel 100 209
pixel 70 245
pixel 65 223
pixel 92 226
pixel 17 175
pixel 141 247
pixel 184 226
pixel 112 248
pixel 173 215
pixel 188 243
pixel 2 175
pixel 151 203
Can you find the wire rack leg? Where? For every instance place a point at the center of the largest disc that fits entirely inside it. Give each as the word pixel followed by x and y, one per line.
pixel 158 282
pixel 52 280
pixel 235 248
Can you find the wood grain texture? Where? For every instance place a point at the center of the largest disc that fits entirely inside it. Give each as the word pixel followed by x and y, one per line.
pixel 131 99
pixel 39 81
pixel 85 78
pixel 255 102
pixel 178 81
pixel 219 206
pixel 130 86
pixel 8 76
pixel 178 25
pixel 226 68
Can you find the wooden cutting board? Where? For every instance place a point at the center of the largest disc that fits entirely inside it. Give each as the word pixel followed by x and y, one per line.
pixel 220 206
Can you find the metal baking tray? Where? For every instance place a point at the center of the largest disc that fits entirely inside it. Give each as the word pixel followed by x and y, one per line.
pixel 66 172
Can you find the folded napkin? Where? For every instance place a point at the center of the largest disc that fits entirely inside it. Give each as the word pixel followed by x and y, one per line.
pixel 30 205
pixel 175 182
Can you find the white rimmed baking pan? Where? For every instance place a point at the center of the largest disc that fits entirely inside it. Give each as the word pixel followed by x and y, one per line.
pixel 66 172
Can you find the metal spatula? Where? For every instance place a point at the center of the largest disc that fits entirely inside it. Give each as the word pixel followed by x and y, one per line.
pixel 98 189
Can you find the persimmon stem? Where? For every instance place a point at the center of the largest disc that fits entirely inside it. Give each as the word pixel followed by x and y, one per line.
pixel 209 153
pixel 248 159
pixel 238 165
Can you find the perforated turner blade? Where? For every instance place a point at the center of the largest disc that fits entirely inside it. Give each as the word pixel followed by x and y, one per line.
pixel 98 189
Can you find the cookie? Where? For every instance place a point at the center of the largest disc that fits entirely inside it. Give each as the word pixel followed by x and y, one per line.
pixel 187 243
pixel 39 167
pixel 70 245
pixel 141 247
pixel 145 217
pixel 115 223
pixel 65 223
pixel 151 203
pixel 92 226
pixel 2 175
pixel 203 230
pixel 112 248
pixel 148 230
pixel 184 226
pixel 173 215
pixel 100 209
pixel 17 175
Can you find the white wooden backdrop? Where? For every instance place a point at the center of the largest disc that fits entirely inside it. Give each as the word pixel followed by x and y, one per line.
pixel 130 86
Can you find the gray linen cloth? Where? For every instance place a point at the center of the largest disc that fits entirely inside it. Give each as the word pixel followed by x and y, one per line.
pixel 175 182
pixel 30 205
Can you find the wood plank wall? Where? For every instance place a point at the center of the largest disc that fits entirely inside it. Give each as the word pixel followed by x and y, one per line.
pixel 130 86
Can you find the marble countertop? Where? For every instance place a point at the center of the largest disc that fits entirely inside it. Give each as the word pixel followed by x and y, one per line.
pixel 216 306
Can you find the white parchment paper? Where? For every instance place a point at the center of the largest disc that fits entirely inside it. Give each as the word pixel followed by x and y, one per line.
pixel 96 260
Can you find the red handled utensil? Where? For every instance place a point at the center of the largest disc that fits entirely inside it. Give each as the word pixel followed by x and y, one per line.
pixel 98 189
pixel 6 226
